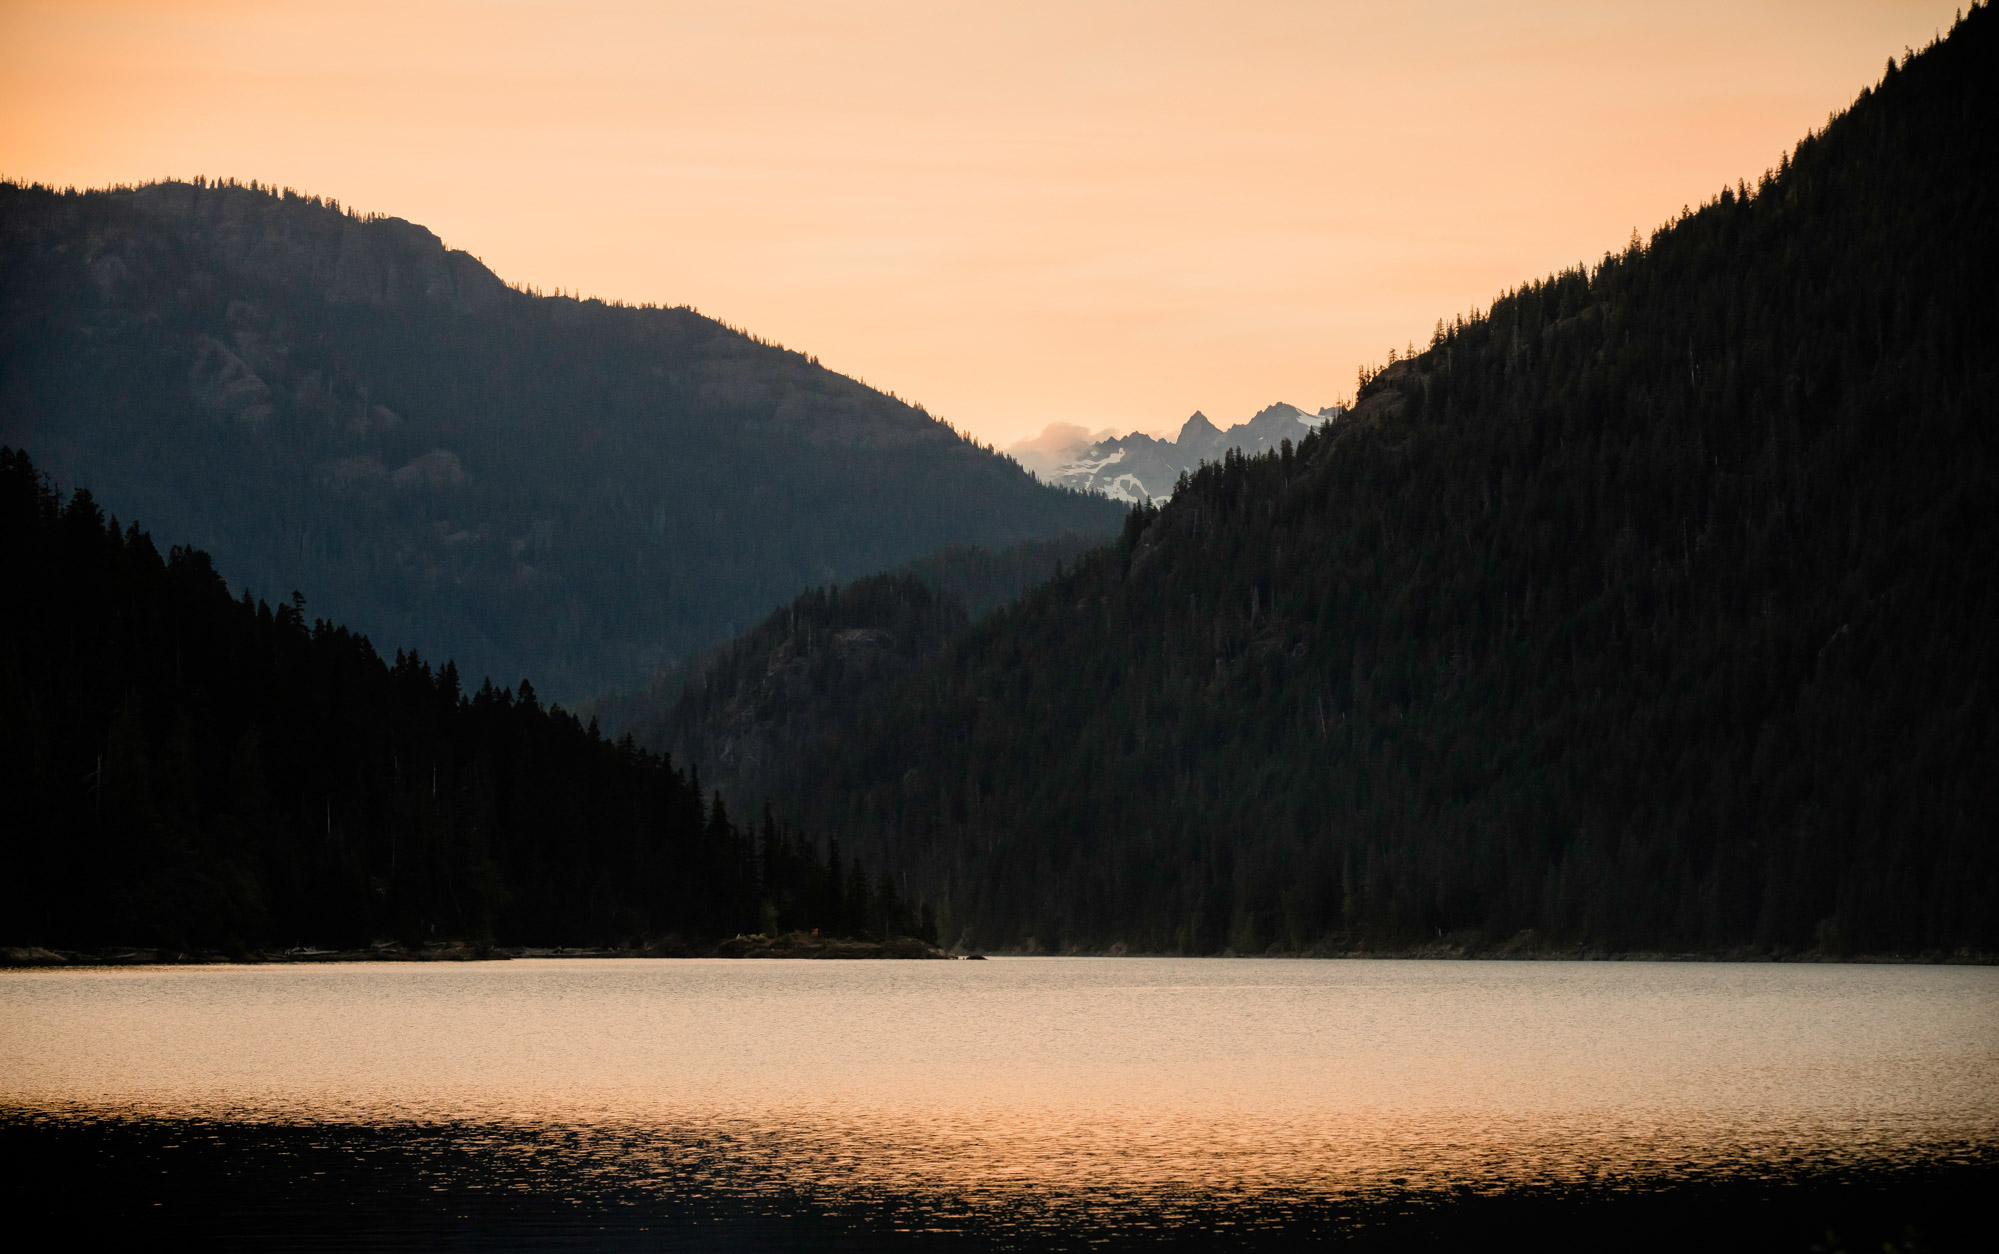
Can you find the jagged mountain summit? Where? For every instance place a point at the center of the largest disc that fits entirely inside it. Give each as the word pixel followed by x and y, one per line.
pixel 1140 467
pixel 566 489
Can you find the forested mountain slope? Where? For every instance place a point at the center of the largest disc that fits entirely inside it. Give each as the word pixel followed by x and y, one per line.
pixel 797 680
pixel 1653 608
pixel 186 770
pixel 750 709
pixel 532 485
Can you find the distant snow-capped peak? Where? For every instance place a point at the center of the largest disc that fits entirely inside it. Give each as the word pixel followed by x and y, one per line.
pixel 1137 466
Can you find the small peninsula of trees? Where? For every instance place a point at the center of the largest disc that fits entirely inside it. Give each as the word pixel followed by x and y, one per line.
pixel 184 769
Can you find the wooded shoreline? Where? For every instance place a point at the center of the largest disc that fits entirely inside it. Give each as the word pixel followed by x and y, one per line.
pixel 796 945
pixel 903 949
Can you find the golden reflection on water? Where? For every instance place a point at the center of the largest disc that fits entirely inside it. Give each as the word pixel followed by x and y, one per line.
pixel 1045 1086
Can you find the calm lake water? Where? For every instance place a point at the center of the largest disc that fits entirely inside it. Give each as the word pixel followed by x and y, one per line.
pixel 1018 1101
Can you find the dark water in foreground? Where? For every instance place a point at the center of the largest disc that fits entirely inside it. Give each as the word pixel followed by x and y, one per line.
pixel 1027 1103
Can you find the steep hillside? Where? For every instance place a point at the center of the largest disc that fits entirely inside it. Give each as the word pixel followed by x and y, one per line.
pixel 1652 608
pixel 183 769
pixel 800 679
pixel 748 711
pixel 532 485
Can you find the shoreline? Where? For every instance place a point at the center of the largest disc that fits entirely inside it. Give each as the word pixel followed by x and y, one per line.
pixel 798 947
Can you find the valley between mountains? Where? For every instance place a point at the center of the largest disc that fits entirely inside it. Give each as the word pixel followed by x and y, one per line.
pixel 356 596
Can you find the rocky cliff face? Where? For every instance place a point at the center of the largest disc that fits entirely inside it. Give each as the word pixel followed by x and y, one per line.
pixel 307 244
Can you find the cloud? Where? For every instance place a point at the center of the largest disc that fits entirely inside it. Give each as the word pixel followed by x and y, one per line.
pixel 1056 444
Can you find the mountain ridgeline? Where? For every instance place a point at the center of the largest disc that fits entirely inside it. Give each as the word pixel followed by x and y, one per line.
pixel 532 485
pixel 187 770
pixel 1138 467
pixel 1651 609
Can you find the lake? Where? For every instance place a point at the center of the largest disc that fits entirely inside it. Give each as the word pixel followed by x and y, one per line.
pixel 1018 1103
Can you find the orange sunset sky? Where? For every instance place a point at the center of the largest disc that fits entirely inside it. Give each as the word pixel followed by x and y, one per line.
pixel 1107 214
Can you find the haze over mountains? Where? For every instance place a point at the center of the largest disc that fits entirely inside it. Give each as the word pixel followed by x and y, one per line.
pixel 1140 467
pixel 532 485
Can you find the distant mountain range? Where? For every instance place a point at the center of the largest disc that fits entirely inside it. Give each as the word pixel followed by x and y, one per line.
pixel 579 492
pixel 1140 467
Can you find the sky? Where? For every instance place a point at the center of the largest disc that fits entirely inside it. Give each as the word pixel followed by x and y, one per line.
pixel 1017 213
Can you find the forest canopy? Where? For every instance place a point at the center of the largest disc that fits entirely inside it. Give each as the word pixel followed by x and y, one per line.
pixel 1650 609
pixel 189 770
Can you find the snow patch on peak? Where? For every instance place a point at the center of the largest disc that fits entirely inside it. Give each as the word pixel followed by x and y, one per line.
pixel 1138 466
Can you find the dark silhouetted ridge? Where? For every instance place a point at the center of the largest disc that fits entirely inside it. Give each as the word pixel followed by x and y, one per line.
pixel 542 485
pixel 1651 609
pixel 190 771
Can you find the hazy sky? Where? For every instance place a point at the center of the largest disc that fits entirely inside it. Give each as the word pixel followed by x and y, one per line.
pixel 1017 213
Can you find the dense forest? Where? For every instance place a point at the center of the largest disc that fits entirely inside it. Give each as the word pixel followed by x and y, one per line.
pixel 1650 609
pixel 530 484
pixel 190 770
pixel 799 679
pixel 747 710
